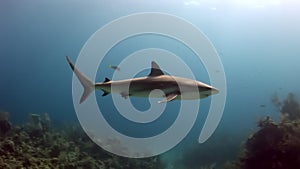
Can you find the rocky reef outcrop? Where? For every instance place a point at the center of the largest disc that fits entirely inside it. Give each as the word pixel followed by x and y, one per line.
pixel 275 145
pixel 5 125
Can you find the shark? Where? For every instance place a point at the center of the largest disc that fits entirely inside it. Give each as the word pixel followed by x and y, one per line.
pixel 172 87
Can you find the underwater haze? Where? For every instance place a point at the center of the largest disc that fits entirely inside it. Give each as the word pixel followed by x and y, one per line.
pixel 257 42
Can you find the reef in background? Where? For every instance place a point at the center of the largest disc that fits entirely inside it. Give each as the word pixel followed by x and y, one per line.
pixel 212 154
pixel 274 145
pixel 36 145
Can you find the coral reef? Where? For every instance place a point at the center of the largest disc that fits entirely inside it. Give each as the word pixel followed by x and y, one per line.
pixel 35 145
pixel 212 154
pixel 275 145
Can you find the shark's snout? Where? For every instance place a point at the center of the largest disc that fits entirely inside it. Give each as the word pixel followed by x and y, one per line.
pixel 214 90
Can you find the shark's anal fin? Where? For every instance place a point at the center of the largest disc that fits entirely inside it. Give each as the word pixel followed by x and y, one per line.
pixel 169 98
pixel 105 93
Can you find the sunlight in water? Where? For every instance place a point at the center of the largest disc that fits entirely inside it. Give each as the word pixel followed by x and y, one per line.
pixel 257 3
pixel 248 3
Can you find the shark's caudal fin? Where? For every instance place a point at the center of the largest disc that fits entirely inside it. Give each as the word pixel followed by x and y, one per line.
pixel 87 84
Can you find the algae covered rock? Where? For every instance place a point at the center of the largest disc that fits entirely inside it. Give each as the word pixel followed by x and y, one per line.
pixel 35 122
pixel 45 122
pixel 5 125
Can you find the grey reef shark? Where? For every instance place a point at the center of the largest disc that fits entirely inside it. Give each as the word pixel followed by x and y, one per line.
pixel 174 88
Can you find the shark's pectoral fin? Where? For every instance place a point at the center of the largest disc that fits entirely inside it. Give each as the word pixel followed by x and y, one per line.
pixel 124 95
pixel 169 98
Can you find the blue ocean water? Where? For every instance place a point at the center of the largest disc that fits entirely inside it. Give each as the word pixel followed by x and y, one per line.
pixel 257 41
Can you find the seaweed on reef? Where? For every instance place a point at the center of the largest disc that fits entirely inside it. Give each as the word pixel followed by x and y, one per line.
pixel 275 145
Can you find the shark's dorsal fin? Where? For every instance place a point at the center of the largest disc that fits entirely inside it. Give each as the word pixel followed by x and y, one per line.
pixel 155 70
pixel 106 80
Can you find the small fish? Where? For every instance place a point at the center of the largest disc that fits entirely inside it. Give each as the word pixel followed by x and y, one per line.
pixel 114 67
pixel 262 105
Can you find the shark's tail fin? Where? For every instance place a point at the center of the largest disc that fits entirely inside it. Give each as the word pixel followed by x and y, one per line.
pixel 87 84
